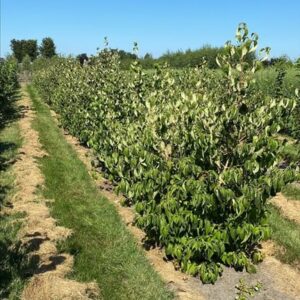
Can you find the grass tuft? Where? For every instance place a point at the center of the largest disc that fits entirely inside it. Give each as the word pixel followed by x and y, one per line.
pixel 292 191
pixel 286 233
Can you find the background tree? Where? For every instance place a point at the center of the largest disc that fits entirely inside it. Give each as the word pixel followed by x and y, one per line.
pixel 282 61
pixel 17 49
pixel 31 48
pixel 21 48
pixel 126 58
pixel 47 49
pixel 148 61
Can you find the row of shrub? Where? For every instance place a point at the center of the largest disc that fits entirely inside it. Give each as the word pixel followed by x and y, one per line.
pixel 9 247
pixel 8 80
pixel 8 84
pixel 195 152
pixel 192 58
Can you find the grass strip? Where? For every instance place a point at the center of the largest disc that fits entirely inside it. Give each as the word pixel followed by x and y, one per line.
pixel 287 234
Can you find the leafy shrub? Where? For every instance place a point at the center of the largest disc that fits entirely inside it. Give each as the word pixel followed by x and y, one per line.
pixel 8 83
pixel 193 151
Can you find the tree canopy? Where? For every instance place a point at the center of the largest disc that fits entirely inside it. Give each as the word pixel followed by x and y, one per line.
pixel 21 48
pixel 47 48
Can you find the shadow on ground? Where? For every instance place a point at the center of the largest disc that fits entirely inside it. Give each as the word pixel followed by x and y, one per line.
pixel 14 259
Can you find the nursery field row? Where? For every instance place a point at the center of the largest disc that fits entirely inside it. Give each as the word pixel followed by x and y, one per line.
pixel 195 152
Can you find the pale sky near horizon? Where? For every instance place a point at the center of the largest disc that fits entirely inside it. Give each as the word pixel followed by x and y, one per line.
pixel 79 26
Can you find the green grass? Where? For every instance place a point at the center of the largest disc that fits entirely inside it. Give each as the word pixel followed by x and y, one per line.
pixel 103 248
pixel 292 191
pixel 285 233
pixel 13 259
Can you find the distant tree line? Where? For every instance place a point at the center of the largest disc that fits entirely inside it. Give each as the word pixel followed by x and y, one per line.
pixel 29 50
pixel 192 58
pixel 22 49
pixel 178 59
pixel 126 58
pixel 279 62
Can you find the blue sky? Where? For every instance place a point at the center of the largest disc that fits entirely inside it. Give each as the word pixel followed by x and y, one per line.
pixel 79 26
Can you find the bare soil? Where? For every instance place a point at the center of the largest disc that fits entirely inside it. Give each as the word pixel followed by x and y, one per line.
pixel 40 233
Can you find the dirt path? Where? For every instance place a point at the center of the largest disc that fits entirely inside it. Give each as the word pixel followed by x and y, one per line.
pixel 40 232
pixel 290 209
